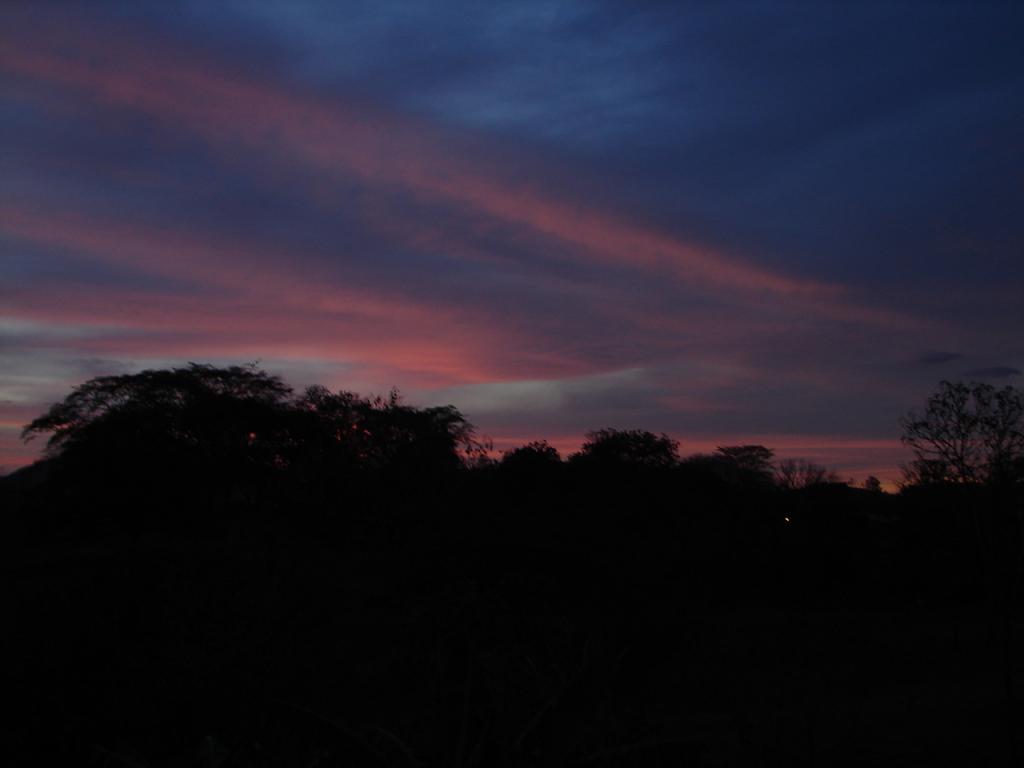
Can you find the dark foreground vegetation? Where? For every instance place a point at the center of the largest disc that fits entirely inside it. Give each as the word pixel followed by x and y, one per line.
pixel 212 570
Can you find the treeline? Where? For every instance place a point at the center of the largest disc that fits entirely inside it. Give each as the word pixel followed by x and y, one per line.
pixel 198 436
pixel 200 448
pixel 234 452
pixel 210 568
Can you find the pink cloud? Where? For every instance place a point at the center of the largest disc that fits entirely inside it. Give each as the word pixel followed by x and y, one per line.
pixel 267 308
pixel 228 110
pixel 264 306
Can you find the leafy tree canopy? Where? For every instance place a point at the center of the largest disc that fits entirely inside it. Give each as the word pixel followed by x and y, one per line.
pixel 197 404
pixel 244 416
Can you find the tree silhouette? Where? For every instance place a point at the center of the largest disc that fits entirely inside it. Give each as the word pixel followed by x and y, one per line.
pixel 794 474
pixel 536 456
pixel 228 409
pixel 873 484
pixel 732 465
pixel 747 463
pixel 162 444
pixel 226 418
pixel 438 438
pixel 230 434
pixel 968 433
pixel 627 448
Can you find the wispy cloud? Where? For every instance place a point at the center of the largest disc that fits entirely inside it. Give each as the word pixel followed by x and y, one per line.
pixel 993 372
pixel 938 358
pixel 285 125
pixel 173 194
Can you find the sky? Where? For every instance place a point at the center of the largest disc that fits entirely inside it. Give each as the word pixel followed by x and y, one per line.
pixel 730 222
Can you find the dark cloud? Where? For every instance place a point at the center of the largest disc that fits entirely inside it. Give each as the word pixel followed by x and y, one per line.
pixel 937 358
pixel 995 372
